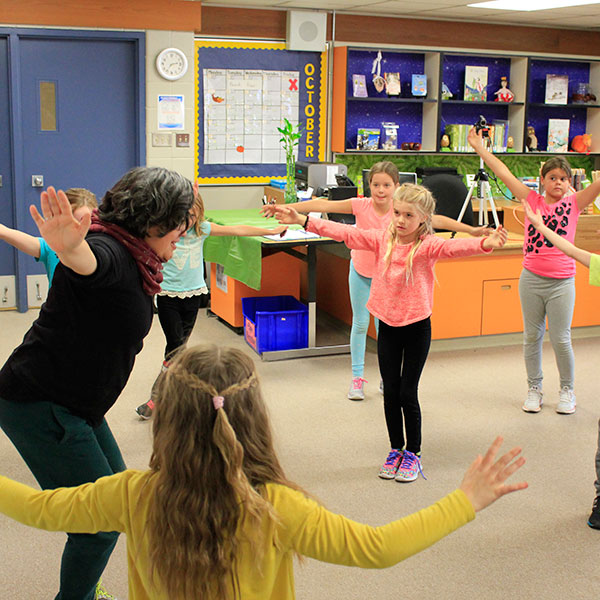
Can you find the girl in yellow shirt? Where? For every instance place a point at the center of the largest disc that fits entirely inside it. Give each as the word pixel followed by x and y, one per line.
pixel 215 516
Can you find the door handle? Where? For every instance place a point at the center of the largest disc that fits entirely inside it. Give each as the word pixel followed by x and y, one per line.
pixel 37 181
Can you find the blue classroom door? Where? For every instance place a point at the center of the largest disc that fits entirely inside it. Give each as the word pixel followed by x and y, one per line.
pixel 77 119
pixel 90 140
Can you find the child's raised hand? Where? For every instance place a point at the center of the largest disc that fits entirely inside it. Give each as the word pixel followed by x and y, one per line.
pixel 535 218
pixel 496 239
pixel 475 139
pixel 288 215
pixel 268 210
pixel 280 229
pixel 483 482
pixel 484 230
pixel 58 226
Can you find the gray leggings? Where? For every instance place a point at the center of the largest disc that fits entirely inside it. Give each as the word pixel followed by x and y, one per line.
pixel 554 298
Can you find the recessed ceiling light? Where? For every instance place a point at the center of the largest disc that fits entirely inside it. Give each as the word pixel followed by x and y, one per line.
pixel 531 5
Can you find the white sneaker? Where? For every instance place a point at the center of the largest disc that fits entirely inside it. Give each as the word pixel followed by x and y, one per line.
pixel 356 391
pixel 566 401
pixel 534 401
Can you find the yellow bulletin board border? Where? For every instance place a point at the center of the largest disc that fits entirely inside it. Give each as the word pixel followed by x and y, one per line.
pixel 262 178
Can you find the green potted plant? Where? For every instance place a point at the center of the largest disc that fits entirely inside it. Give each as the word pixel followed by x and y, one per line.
pixel 290 138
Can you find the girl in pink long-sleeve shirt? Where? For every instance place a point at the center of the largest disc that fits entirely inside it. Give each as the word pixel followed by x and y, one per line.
pixel 402 299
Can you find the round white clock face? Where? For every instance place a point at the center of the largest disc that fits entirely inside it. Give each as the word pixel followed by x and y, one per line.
pixel 172 63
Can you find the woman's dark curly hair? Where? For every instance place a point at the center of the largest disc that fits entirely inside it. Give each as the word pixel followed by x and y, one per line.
pixel 148 197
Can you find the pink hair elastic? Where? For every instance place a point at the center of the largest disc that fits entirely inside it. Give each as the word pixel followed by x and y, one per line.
pixel 218 402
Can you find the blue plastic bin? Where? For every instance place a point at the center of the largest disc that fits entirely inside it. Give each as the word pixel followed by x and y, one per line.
pixel 275 323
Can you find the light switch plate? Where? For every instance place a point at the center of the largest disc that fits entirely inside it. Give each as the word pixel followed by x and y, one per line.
pixel 182 140
pixel 162 140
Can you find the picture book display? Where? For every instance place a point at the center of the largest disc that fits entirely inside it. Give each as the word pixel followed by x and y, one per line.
pixel 476 79
pixel 368 139
pixel 389 136
pixel 557 89
pixel 392 84
pixel 558 135
pixel 419 85
pixel 359 86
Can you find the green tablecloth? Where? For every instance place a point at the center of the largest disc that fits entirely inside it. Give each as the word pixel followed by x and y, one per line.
pixel 241 257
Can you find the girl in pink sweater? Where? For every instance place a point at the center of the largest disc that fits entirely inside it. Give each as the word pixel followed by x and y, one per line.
pixel 402 299
pixel 374 212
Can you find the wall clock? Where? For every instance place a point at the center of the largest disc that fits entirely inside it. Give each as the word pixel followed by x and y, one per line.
pixel 172 63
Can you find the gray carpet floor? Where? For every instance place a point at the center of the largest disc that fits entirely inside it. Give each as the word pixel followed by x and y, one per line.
pixel 533 544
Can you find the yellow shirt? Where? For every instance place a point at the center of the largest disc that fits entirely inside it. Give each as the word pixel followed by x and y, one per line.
pixel 120 503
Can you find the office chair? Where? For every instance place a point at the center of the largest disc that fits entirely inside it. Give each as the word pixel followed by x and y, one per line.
pixel 449 192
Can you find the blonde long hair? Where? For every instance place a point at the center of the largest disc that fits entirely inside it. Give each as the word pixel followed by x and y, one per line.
pixel 210 466
pixel 198 212
pixel 424 203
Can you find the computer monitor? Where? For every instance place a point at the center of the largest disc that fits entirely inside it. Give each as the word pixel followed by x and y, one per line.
pixel 403 177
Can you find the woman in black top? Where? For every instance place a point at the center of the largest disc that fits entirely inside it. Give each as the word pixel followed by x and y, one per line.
pixel 75 360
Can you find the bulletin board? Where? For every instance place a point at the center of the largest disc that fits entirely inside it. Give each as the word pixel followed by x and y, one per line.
pixel 243 93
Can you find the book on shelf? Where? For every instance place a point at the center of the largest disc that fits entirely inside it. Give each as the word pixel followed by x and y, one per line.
pixel 389 136
pixel 557 89
pixel 367 139
pixel 476 79
pixel 500 135
pixel 458 133
pixel 359 86
pixel 392 84
pixel 558 135
pixel 419 85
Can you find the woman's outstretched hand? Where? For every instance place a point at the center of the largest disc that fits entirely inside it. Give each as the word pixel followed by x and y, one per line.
pixel 483 482
pixel 57 225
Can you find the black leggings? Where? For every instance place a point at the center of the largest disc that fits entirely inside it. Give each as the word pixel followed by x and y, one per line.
pixel 177 317
pixel 402 352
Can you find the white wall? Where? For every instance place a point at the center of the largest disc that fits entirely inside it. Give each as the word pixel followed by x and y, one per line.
pixel 182 159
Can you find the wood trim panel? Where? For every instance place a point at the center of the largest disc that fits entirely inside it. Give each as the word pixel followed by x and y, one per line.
pixel 271 24
pixel 223 21
pixel 170 15
pixel 455 34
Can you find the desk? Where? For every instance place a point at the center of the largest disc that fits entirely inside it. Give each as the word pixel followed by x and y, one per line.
pixel 242 259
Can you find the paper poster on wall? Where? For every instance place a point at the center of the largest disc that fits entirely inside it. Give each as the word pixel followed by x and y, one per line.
pixel 242 111
pixel 245 91
pixel 171 114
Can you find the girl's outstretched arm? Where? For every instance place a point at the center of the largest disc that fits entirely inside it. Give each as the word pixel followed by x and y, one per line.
pixel 20 240
pixel 496 239
pixel 442 222
pixel 518 188
pixel 588 195
pixel 316 205
pixel 244 230
pixel 535 218
pixel 484 482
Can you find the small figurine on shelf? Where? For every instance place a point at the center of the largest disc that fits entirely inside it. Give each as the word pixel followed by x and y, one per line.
pixel 504 94
pixel 510 144
pixel 531 142
pixel 445 143
pixel 446 93
pixel 582 143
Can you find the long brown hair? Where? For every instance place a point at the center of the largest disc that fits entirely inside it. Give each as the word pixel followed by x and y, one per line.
pixel 209 467
pixel 423 201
